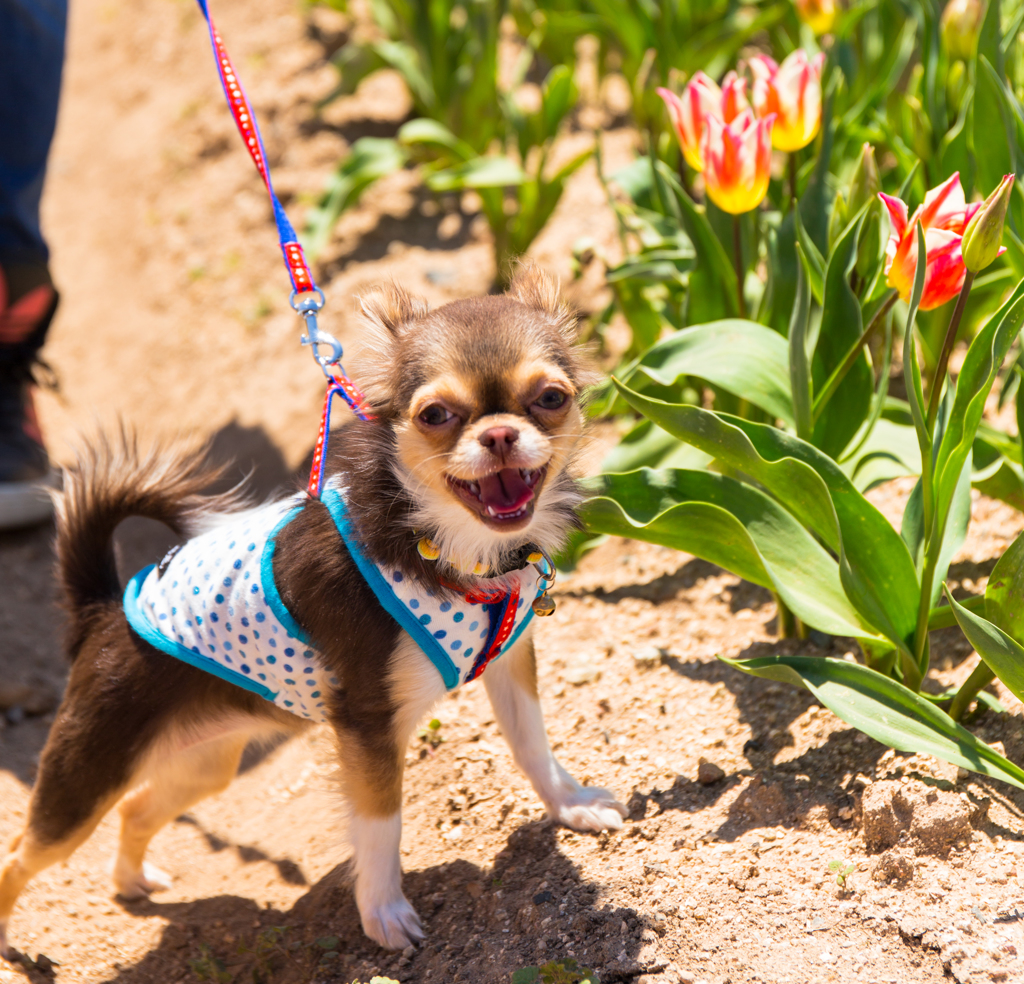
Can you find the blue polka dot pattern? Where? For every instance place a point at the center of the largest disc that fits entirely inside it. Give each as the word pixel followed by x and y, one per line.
pixel 466 633
pixel 181 608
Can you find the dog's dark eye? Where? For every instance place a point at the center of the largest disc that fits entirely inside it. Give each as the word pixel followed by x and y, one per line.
pixel 435 415
pixel 550 399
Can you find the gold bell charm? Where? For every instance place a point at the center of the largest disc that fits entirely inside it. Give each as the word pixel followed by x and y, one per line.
pixel 543 605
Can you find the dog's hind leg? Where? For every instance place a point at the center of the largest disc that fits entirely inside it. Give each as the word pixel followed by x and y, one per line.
pixel 171 783
pixel 63 812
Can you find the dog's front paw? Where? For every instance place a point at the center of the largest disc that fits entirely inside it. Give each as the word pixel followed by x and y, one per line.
pixel 139 884
pixel 393 925
pixel 6 952
pixel 589 808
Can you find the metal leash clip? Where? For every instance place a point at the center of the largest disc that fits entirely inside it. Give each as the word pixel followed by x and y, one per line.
pixel 542 604
pixel 311 304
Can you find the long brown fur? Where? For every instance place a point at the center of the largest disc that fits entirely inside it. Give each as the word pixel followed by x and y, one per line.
pixel 141 726
pixel 109 481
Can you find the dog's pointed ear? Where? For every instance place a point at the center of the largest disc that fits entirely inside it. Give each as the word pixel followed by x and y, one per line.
pixel 540 291
pixel 386 313
pixel 389 308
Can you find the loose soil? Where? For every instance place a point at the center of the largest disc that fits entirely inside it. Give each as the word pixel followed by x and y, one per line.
pixel 741 793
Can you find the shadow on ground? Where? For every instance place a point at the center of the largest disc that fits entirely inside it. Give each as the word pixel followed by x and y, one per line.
pixel 481 924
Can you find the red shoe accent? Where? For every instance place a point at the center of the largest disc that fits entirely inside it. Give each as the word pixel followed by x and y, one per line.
pixel 18 321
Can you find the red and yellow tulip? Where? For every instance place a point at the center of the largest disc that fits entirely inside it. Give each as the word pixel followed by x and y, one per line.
pixel 737 157
pixel 792 91
pixel 943 217
pixel 702 98
pixel 818 15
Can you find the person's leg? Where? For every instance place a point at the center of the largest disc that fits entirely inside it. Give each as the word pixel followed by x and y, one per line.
pixel 32 34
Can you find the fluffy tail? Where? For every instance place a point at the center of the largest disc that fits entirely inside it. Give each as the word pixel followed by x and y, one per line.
pixel 109 482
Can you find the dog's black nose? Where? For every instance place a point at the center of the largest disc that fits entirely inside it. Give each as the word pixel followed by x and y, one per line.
pixel 499 439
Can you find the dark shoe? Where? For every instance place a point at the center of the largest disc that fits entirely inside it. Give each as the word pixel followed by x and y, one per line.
pixel 27 303
pixel 25 472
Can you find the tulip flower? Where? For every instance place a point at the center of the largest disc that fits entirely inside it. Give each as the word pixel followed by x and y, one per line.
pixel 737 157
pixel 792 91
pixel 703 98
pixel 960 25
pixel 818 15
pixel 983 237
pixel 944 217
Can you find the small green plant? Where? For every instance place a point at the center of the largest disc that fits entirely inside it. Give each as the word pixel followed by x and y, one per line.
pixel 209 967
pixel 431 734
pixel 268 945
pixel 556 972
pixel 842 871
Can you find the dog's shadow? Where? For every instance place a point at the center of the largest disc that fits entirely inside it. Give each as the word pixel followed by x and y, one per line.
pixel 482 924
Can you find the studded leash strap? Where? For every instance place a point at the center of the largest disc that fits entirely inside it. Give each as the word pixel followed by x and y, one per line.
pixel 306 298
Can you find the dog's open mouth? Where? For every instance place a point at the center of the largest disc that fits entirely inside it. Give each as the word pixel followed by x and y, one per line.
pixel 503 499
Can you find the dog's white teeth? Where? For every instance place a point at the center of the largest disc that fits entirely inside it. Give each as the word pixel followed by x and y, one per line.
pixel 527 474
pixel 474 488
pixel 491 511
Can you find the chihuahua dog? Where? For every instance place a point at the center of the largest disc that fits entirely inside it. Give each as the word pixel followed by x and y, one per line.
pixel 460 476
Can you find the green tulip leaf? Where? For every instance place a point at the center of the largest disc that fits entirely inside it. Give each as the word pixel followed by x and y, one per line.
pixel 1004 656
pixel 732 525
pixel 1004 594
pixel 492 171
pixel 885 710
pixel 876 568
pixel 742 357
pixel 984 359
pixel 841 327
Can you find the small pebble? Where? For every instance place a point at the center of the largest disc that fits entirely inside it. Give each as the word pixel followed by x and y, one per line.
pixel 708 772
pixel 647 657
pixel 15 715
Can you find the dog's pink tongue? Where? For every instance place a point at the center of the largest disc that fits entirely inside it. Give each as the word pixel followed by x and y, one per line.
pixel 504 491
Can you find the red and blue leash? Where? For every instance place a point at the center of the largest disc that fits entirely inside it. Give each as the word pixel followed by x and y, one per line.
pixel 306 298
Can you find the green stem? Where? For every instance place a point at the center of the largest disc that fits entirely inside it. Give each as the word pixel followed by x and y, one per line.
pixel 947 348
pixel 737 255
pixel 934 525
pixel 792 180
pixel 839 373
pixel 981 677
pixel 790 627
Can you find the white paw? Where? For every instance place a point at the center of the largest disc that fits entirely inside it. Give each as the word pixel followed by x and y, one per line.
pixel 393 925
pixel 132 885
pixel 589 808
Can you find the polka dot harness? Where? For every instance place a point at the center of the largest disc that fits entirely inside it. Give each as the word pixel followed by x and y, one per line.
pixel 213 603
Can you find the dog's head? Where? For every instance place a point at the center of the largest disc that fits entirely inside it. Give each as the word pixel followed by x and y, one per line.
pixel 484 398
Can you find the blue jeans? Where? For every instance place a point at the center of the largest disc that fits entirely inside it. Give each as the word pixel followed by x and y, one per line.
pixel 32 36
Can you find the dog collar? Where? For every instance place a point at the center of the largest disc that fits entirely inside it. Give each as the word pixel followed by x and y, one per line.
pixel 528 553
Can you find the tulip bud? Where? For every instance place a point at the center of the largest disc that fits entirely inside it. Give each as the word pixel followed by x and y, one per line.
pixel 983 237
pixel 818 15
pixel 960 26
pixel 866 184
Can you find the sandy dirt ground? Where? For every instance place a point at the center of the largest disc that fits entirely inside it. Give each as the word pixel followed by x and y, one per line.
pixel 741 793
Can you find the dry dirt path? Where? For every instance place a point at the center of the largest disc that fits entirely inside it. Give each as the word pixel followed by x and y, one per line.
pixel 174 317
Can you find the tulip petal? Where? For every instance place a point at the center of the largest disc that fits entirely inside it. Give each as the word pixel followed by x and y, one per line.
pixel 897 213
pixel 944 206
pixel 946 271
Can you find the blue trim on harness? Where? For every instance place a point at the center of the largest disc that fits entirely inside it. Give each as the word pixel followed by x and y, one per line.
pixel 393 606
pixel 140 623
pixel 270 592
